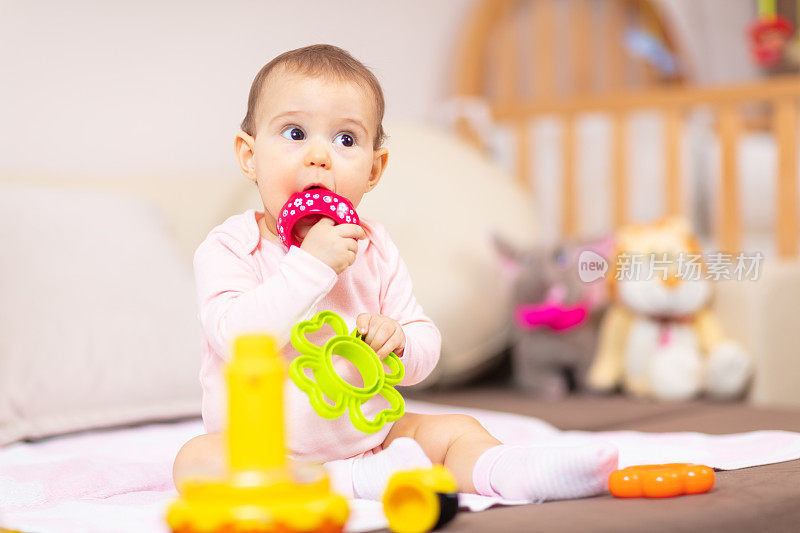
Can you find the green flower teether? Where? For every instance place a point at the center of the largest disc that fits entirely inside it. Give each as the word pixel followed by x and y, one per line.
pixel 327 383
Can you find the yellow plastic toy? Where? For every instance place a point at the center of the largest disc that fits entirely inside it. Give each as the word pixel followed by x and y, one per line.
pixel 328 384
pixel 416 501
pixel 262 491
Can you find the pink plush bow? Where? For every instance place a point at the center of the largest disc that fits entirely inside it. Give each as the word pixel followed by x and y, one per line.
pixel 555 316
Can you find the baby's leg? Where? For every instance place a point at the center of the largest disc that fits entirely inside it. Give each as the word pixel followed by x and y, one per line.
pixel 366 475
pixel 521 472
pixel 455 441
pixel 362 476
pixel 203 456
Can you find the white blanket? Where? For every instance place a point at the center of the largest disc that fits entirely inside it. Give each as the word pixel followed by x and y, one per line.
pixel 120 480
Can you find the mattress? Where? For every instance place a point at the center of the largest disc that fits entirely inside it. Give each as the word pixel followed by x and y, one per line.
pixel 119 480
pixel 762 498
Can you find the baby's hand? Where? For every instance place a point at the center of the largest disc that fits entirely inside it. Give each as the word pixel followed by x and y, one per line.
pixel 336 246
pixel 384 335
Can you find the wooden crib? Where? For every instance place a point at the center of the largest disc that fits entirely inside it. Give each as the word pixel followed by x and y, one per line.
pixel 507 59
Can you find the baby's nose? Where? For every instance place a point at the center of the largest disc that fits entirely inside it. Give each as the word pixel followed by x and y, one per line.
pixel 317 156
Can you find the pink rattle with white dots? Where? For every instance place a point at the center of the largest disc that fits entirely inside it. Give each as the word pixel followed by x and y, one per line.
pixel 316 201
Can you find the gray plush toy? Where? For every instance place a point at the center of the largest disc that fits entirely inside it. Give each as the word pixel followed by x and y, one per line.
pixel 556 316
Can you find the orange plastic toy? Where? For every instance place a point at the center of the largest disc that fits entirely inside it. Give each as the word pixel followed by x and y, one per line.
pixel 661 481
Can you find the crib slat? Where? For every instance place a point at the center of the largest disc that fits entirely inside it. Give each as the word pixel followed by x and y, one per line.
pixel 672 159
pixel 728 221
pixel 786 190
pixel 569 214
pixel 581 32
pixel 613 38
pixel 508 58
pixel 645 73
pixel 619 169
pixel 543 15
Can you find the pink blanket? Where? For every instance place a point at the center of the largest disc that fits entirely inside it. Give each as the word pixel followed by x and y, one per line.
pixel 120 480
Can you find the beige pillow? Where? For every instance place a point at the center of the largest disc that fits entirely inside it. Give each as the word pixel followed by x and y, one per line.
pixel 191 205
pixel 441 200
pixel 98 323
pixel 446 246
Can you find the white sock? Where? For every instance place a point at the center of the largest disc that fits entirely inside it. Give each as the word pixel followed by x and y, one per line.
pixel 366 476
pixel 371 473
pixel 526 472
pixel 340 473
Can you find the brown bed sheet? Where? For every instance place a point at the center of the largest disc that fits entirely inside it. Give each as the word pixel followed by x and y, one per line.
pixel 763 498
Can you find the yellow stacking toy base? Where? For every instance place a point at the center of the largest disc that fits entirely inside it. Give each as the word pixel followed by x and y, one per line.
pixel 262 492
pixel 417 501
pixel 257 503
pixel 327 384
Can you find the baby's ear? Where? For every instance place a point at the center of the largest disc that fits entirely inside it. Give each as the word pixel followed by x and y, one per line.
pixel 244 148
pixel 379 161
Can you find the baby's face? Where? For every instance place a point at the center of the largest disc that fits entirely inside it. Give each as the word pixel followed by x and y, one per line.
pixel 313 132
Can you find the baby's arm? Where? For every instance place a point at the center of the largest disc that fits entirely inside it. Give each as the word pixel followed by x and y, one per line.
pixel 232 298
pixel 423 342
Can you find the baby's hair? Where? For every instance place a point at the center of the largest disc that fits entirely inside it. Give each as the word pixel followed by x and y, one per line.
pixel 318 60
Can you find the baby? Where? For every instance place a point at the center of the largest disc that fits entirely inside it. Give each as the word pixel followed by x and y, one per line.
pixel 314 119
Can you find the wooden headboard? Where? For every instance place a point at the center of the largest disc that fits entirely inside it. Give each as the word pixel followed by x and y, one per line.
pixel 528 58
pixel 524 38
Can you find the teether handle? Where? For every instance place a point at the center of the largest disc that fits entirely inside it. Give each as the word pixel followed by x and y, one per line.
pixel 318 202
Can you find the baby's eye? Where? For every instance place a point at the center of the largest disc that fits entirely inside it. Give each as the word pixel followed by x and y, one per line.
pixel 345 139
pixel 293 133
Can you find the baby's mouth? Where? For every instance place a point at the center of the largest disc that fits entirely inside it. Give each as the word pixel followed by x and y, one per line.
pixel 316 187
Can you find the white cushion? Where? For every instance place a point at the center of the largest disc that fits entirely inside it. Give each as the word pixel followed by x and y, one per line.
pixel 98 320
pixel 441 200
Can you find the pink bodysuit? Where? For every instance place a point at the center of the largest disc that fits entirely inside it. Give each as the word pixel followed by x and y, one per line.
pixel 246 283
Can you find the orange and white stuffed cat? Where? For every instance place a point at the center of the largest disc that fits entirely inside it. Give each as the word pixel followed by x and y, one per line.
pixel 659 338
